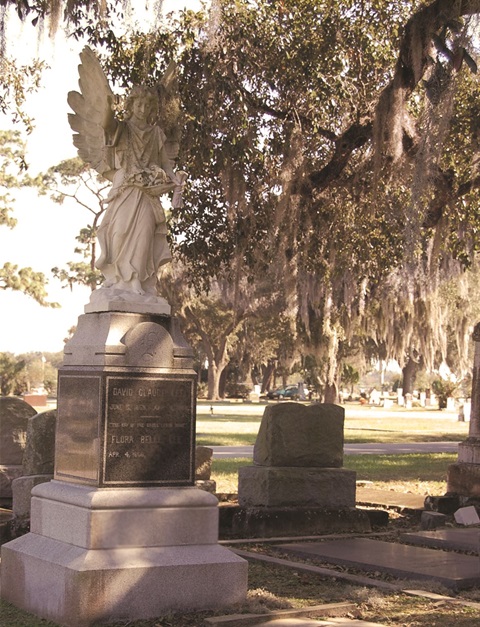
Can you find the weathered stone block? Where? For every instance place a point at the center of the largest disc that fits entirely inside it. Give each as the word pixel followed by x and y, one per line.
pixel 266 486
pixel 463 479
pixel 294 521
pixel 296 435
pixel 14 415
pixel 203 463
pixel 7 475
pixel 432 520
pixel 39 455
pixel 22 493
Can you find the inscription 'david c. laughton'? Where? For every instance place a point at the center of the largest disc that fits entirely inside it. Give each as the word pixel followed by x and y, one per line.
pixel 148 431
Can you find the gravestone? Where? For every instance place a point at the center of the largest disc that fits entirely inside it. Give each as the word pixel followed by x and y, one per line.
pixel 14 415
pixel 37 467
pixel 122 531
pixel 297 484
pixel 463 477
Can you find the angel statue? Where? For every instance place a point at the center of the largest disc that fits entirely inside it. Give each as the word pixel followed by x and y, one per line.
pixel 137 155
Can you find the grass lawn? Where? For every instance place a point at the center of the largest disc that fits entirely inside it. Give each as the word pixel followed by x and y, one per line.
pixel 416 473
pixel 362 425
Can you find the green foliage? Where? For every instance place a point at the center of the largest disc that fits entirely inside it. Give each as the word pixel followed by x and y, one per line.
pixel 350 376
pixel 75 180
pixel 279 101
pixel 444 390
pixel 12 172
pixel 21 373
pixel 16 83
pixel 13 176
pixel 10 370
pixel 27 281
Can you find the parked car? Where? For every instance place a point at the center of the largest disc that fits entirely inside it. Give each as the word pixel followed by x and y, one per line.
pixel 292 392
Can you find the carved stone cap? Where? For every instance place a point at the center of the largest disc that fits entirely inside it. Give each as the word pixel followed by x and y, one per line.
pixel 128 340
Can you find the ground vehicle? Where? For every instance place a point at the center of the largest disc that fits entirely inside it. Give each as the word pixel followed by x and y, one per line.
pixel 293 392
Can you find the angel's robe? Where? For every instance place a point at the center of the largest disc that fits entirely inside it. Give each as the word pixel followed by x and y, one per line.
pixel 132 235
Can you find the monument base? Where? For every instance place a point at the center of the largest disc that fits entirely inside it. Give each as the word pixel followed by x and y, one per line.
pixel 464 479
pixel 287 486
pixel 271 522
pixel 136 553
pixel 469 451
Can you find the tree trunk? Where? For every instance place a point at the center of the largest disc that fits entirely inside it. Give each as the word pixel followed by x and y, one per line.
pixel 268 372
pixel 222 383
pixel 409 372
pixel 331 393
pixel 213 381
pixel 215 370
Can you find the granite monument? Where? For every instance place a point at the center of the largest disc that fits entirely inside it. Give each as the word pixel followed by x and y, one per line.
pixel 122 533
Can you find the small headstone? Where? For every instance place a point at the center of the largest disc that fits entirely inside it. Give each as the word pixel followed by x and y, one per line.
pixel 14 415
pixel 39 456
pixel 295 435
pixel 38 465
pixel 467 516
pixel 432 520
pixel 203 463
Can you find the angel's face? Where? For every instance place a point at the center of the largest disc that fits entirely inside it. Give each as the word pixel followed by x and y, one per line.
pixel 141 109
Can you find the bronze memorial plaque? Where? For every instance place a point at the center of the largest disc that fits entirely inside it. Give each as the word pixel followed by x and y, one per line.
pixel 149 431
pixel 77 442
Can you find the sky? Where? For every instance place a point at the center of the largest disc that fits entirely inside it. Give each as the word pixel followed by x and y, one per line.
pixel 45 233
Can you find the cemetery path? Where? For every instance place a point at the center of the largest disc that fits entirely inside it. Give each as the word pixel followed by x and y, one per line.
pixel 374 448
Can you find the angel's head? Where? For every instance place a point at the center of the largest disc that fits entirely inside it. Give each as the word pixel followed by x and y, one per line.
pixel 142 102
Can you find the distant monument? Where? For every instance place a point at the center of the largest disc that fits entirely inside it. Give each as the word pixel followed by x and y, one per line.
pixel 121 533
pixel 297 484
pixel 464 476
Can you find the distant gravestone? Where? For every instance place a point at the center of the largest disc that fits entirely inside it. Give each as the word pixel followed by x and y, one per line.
pixel 298 458
pixel 295 435
pixel 39 455
pixel 14 415
pixel 203 463
pixel 38 465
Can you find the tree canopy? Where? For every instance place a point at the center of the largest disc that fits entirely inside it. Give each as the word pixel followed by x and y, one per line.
pixel 332 147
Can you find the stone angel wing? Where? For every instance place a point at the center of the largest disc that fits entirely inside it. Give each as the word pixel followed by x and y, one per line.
pixel 92 106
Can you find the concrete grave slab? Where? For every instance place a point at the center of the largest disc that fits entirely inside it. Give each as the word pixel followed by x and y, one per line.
pixel 389 498
pixel 454 539
pixel 406 562
pixel 293 622
pixel 331 622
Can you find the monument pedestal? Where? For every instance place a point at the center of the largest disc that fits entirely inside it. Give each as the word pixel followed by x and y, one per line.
pixel 297 485
pixel 463 478
pixel 121 533
pixel 101 554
